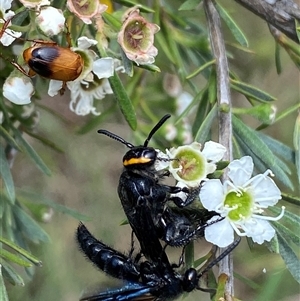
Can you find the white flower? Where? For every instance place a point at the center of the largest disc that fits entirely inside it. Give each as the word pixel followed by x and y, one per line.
pixel 136 37
pixel 162 160
pixel 5 5
pixel 34 4
pixel 50 20
pixel 91 84
pixel 241 201
pixel 54 87
pixel 83 95
pixel 94 86
pixel 8 36
pixel 86 10
pixel 18 90
pixel 85 43
pixel 104 68
pixel 190 165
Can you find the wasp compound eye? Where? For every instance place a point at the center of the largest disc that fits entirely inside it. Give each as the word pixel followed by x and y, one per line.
pixel 140 157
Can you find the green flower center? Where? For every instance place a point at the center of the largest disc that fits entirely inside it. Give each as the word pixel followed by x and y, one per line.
pixel 83 7
pixel 243 203
pixel 135 34
pixel 192 165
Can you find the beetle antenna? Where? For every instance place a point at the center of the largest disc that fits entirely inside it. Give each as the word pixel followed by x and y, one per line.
pixel 115 137
pixel 158 125
pixel 220 257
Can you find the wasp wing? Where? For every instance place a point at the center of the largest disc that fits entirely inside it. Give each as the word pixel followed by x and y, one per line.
pixel 129 291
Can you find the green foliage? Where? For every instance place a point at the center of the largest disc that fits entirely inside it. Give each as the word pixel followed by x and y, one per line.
pixel 140 97
pixel 123 101
pixel 233 27
pixel 6 176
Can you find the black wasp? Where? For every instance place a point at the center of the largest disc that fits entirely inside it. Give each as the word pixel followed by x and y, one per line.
pixel 142 280
pixel 144 201
pixel 142 195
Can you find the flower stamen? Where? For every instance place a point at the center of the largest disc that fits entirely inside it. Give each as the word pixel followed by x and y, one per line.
pixel 271 218
pixel 260 177
pixel 237 230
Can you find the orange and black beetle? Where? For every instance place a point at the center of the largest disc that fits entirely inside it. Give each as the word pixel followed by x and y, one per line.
pixel 52 61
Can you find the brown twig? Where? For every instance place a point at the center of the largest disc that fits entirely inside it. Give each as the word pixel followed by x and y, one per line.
pixel 282 14
pixel 224 101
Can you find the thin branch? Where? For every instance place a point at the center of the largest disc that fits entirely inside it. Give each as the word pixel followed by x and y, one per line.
pixel 282 14
pixel 224 101
pixel 223 88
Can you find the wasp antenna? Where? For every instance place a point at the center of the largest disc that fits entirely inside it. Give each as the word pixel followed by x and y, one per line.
pixel 158 125
pixel 220 257
pixel 115 137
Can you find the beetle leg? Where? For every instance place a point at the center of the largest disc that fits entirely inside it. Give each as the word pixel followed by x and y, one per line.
pixel 5 25
pixel 43 42
pixel 63 88
pixel 31 73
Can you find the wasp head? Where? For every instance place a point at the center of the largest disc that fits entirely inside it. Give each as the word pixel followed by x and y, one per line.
pixel 138 157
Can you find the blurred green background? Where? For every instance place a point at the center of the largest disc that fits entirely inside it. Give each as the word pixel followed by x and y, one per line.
pixel 85 178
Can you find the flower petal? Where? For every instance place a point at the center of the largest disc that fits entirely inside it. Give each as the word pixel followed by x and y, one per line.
pixel 190 165
pixel 51 20
pixel 18 90
pixel 136 38
pixel 105 89
pixel 210 168
pixel 54 87
pixel 104 67
pixel 87 10
pixel 36 5
pixel 240 170
pixel 162 160
pixel 213 151
pixel 85 43
pixel 211 194
pixel 219 233
pixel 259 230
pixel 5 5
pixel 265 191
pixel 83 105
pixel 9 36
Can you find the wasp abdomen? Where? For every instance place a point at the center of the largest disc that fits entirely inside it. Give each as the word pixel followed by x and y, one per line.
pixel 105 258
